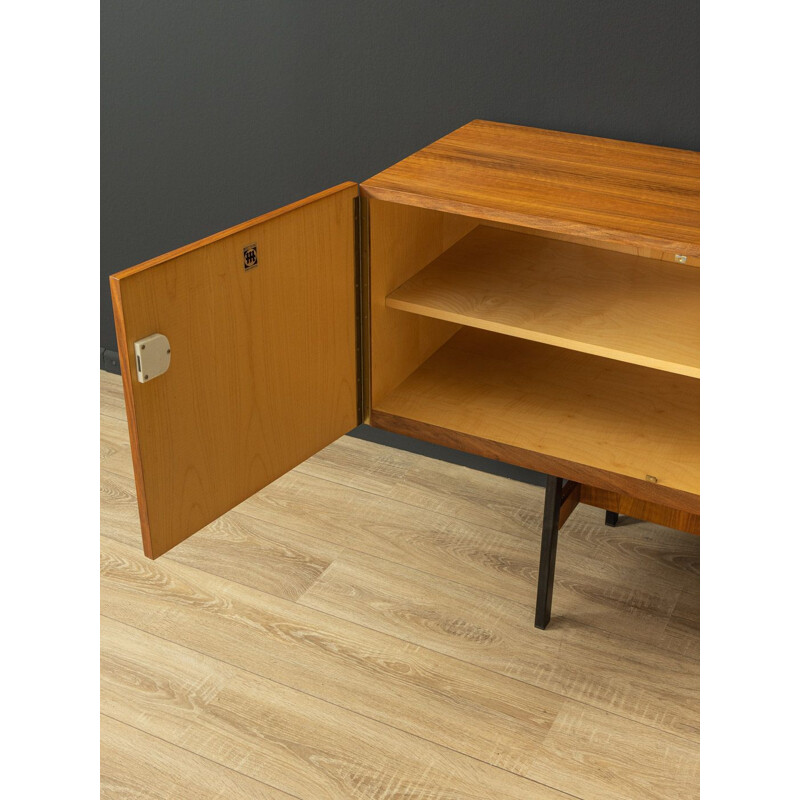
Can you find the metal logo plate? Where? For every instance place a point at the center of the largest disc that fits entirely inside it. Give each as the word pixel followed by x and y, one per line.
pixel 250 256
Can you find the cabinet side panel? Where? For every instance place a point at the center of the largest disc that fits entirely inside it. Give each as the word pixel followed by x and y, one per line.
pixel 263 362
pixel 403 240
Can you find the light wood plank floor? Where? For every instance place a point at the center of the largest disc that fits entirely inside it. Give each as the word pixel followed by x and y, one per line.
pixel 363 628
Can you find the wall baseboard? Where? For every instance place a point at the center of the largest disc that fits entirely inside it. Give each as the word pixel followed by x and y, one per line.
pixel 109 361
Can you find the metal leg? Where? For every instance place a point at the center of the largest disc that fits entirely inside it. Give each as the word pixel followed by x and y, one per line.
pixel 612 518
pixel 547 558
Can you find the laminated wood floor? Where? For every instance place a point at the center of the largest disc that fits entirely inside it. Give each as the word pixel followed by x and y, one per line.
pixel 363 628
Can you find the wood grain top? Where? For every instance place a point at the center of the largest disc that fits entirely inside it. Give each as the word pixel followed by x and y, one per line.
pixel 609 304
pixel 600 189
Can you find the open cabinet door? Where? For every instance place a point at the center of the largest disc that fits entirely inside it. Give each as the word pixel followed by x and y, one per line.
pixel 260 353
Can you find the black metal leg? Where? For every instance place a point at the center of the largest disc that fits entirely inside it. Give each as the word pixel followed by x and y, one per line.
pixel 612 518
pixel 547 558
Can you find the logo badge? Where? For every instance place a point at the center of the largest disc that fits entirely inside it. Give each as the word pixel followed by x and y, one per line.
pixel 250 256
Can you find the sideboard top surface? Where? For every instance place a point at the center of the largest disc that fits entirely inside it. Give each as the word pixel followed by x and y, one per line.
pixel 599 189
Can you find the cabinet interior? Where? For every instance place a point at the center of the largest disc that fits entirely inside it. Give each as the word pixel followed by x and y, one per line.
pixel 583 354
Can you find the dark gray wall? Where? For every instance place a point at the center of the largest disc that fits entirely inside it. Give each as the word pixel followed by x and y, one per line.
pixel 215 112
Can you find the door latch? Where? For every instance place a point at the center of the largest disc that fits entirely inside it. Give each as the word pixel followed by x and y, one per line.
pixel 152 356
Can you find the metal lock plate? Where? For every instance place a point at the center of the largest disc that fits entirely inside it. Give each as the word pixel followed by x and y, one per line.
pixel 152 357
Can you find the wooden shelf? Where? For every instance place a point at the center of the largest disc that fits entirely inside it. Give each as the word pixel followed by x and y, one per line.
pixel 617 426
pixel 615 305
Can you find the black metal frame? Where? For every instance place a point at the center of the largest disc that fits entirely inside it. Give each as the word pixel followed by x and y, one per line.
pixel 547 558
pixel 560 499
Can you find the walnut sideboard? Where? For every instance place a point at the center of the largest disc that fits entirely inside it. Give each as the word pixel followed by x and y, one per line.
pixel 522 294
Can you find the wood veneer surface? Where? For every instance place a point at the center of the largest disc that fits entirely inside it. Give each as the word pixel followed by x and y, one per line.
pixel 604 189
pixel 614 305
pixel 402 240
pixel 263 363
pixel 595 417
pixel 640 509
